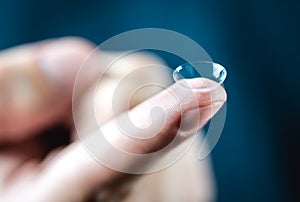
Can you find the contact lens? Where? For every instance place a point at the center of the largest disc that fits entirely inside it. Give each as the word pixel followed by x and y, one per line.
pixel 202 69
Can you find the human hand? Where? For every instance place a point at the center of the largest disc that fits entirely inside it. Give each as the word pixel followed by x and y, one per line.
pixel 36 84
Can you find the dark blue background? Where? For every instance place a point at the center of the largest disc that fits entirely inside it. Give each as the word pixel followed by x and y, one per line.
pixel 258 41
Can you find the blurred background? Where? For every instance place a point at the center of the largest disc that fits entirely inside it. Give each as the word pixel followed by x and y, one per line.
pixel 256 158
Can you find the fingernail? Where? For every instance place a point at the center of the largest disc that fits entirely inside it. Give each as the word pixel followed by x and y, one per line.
pixel 218 95
pixel 208 112
pixel 195 119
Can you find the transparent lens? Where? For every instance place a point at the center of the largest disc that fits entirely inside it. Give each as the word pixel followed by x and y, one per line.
pixel 203 69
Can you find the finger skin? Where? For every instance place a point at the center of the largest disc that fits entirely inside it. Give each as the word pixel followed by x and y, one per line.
pixel 80 183
pixel 36 82
pixel 174 102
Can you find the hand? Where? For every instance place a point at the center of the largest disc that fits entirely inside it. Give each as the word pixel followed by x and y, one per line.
pixel 36 84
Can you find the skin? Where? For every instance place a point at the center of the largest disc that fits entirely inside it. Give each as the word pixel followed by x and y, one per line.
pixel 43 70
